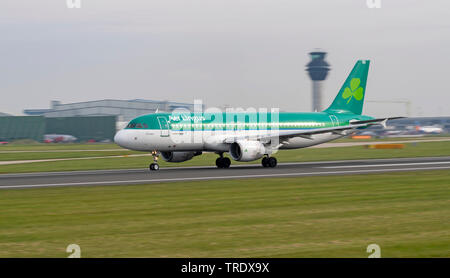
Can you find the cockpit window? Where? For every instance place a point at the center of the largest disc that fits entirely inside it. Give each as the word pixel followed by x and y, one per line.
pixel 137 125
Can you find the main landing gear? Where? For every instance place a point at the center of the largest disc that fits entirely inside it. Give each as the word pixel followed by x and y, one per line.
pixel 223 162
pixel 269 162
pixel 154 166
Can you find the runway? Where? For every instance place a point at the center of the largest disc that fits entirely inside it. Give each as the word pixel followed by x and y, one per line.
pixel 325 145
pixel 202 173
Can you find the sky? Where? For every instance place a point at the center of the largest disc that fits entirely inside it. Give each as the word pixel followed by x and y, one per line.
pixel 240 53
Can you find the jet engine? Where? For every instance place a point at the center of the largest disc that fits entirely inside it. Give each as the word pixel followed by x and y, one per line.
pixel 178 156
pixel 247 150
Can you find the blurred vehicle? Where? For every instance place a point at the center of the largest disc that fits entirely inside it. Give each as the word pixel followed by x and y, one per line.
pixel 368 133
pixel 3 142
pixel 59 138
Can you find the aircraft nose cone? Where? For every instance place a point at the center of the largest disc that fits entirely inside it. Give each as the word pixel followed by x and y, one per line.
pixel 120 138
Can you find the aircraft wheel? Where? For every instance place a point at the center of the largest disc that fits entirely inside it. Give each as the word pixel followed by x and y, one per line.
pixel 154 167
pixel 265 162
pixel 223 162
pixel 219 162
pixel 226 162
pixel 272 162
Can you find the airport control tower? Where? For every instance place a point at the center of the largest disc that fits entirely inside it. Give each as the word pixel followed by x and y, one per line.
pixel 318 71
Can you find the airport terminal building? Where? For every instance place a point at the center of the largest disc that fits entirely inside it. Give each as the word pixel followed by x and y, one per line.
pixel 124 110
pixel 91 120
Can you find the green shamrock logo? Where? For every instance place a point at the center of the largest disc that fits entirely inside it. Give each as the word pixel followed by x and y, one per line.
pixel 354 90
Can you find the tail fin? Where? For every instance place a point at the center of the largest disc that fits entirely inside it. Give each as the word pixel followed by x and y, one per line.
pixel 351 96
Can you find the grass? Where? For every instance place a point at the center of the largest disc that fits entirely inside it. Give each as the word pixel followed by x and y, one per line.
pixel 59 146
pixel 58 155
pixel 406 215
pixel 299 155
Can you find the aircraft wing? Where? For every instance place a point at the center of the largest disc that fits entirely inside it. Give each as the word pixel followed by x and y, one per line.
pixel 307 132
pixel 293 133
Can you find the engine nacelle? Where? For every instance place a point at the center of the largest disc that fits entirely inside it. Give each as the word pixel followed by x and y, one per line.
pixel 178 156
pixel 247 150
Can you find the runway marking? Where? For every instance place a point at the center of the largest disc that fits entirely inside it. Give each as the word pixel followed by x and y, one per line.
pixel 220 177
pixel 387 165
pixel 171 168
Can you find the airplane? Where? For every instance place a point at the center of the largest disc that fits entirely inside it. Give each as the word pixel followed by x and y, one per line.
pixel 430 129
pixel 249 136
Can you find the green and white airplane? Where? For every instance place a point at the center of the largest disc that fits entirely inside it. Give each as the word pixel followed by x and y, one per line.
pixel 248 136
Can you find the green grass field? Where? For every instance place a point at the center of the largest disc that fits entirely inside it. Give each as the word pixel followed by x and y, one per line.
pixel 59 146
pixel 57 155
pixel 406 214
pixel 307 154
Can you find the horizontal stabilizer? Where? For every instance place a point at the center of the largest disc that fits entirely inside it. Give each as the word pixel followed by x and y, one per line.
pixel 381 121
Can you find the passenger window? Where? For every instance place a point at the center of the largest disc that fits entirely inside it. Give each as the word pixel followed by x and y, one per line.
pixel 138 126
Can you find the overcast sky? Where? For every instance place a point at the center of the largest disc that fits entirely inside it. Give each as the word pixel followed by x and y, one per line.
pixel 237 52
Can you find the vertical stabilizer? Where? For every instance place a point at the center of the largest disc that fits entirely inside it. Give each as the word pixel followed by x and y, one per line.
pixel 350 98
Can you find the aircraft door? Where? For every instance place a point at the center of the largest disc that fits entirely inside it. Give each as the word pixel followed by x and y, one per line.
pixel 164 125
pixel 334 120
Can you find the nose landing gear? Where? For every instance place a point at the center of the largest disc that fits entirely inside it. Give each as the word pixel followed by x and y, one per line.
pixel 154 166
pixel 269 162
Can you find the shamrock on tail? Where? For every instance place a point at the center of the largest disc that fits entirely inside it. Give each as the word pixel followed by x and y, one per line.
pixel 354 90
